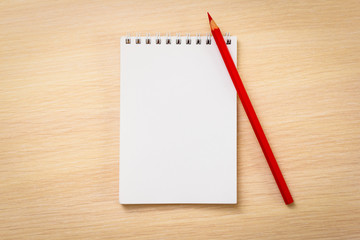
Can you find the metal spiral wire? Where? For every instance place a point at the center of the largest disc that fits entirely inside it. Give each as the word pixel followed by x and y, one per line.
pixel 178 39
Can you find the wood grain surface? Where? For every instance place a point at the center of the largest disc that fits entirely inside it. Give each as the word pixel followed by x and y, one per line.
pixel 59 119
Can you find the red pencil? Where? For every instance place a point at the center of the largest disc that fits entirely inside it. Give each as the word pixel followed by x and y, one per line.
pixel 230 65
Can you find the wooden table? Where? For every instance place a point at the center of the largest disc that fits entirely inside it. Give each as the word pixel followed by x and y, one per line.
pixel 59 119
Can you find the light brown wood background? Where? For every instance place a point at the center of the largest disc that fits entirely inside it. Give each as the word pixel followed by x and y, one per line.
pixel 59 119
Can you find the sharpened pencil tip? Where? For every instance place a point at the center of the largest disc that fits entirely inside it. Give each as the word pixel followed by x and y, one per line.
pixel 212 23
pixel 210 18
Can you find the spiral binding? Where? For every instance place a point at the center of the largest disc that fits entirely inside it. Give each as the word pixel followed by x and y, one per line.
pixel 178 39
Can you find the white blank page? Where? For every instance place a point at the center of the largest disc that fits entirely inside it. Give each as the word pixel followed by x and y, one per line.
pixel 177 123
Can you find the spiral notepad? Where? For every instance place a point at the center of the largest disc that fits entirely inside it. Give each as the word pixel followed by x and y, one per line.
pixel 177 121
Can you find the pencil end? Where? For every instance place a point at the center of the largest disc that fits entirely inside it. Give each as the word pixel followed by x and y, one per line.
pixel 210 18
pixel 212 23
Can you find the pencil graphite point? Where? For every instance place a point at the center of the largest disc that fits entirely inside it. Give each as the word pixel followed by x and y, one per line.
pixel 210 18
pixel 212 23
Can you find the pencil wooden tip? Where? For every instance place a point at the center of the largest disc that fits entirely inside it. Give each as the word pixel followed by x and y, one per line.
pixel 212 23
pixel 210 18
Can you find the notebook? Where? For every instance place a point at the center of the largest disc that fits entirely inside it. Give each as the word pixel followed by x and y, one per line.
pixel 178 121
